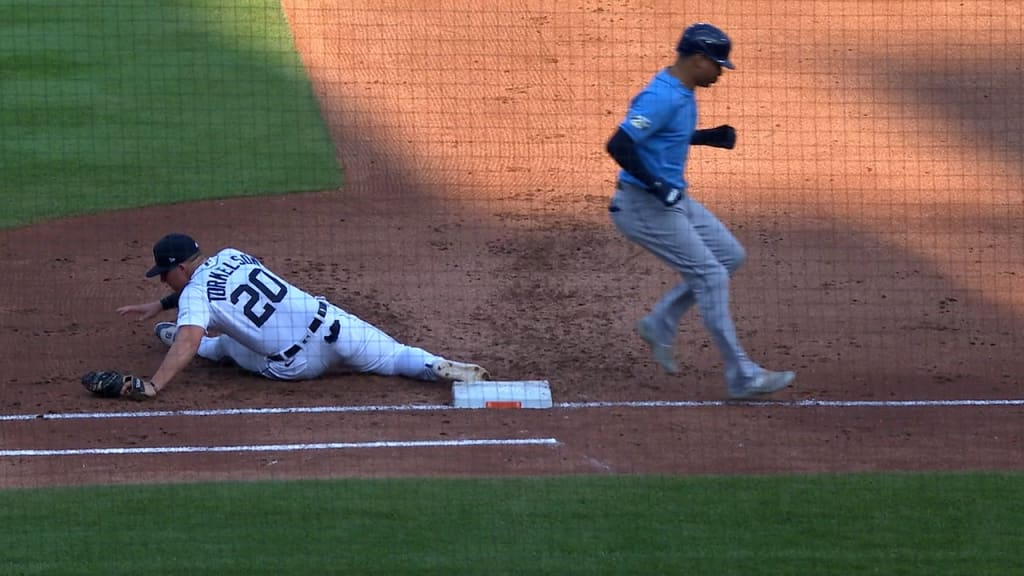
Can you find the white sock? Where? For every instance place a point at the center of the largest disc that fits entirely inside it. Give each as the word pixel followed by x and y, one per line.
pixel 415 363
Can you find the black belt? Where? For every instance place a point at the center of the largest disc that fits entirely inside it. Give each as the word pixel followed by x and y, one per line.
pixel 620 185
pixel 318 321
pixel 626 186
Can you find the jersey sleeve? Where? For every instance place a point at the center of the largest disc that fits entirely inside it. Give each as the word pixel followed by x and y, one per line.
pixel 648 112
pixel 193 307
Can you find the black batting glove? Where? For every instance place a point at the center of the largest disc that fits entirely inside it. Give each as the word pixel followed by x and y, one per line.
pixel 669 196
pixel 723 136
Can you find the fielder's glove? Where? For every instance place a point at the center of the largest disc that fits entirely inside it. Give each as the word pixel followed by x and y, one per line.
pixel 110 384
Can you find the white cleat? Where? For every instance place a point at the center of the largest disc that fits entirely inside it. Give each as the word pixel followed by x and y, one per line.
pixel 458 371
pixel 764 383
pixel 166 332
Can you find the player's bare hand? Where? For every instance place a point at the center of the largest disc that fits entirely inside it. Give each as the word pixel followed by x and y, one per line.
pixel 142 311
pixel 136 388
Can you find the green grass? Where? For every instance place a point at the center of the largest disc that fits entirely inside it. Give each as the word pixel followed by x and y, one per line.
pixel 108 105
pixel 861 524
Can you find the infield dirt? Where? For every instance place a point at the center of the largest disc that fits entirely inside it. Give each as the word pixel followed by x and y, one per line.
pixel 882 222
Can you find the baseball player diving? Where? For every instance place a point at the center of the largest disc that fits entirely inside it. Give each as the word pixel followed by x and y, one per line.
pixel 652 207
pixel 265 324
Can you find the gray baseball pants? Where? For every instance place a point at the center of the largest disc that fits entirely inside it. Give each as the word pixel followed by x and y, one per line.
pixel 692 241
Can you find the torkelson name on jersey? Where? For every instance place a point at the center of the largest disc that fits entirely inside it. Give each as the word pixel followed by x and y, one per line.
pixel 216 283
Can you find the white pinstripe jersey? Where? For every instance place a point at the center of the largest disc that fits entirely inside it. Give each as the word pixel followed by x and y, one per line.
pixel 235 294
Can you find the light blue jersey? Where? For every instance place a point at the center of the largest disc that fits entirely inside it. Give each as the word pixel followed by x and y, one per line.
pixel 661 121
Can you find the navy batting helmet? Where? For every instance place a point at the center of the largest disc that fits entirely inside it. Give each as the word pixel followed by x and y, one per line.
pixel 703 38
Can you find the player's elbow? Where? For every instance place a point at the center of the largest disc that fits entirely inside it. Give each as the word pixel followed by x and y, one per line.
pixel 619 145
pixel 609 146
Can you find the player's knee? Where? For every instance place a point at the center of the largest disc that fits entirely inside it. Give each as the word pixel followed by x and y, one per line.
pixel 715 277
pixel 736 257
pixel 210 349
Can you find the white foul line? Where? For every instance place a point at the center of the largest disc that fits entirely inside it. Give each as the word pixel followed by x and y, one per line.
pixel 559 405
pixel 228 412
pixel 282 447
pixel 794 403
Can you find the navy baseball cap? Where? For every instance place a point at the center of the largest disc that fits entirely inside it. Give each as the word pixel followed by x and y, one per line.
pixel 171 251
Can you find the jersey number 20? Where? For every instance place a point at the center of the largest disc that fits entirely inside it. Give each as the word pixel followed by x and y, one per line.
pixel 253 293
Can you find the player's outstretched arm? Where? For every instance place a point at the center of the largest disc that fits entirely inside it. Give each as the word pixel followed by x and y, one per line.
pixel 142 311
pixel 186 344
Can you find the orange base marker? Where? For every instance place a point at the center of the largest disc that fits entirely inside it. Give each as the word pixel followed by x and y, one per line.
pixel 503 404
